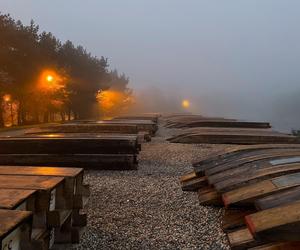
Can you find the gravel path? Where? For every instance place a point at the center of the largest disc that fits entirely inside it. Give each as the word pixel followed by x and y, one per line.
pixel 146 209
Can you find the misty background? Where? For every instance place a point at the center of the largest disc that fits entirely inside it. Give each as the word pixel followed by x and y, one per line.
pixel 237 59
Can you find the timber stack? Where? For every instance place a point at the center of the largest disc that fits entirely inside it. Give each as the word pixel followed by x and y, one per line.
pixel 42 194
pixel 199 129
pixel 257 181
pixel 107 144
pixel 40 207
pixel 259 186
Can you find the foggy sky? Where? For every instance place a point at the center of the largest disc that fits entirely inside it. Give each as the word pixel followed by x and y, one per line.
pixel 230 58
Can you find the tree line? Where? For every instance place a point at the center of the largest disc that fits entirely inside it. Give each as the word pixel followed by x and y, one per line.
pixel 42 78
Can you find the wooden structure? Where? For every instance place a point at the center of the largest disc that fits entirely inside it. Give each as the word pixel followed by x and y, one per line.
pixel 53 199
pixel 233 136
pixel 259 185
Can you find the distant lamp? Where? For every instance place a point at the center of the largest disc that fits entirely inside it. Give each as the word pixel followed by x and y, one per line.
pixel 49 78
pixel 185 104
pixel 6 98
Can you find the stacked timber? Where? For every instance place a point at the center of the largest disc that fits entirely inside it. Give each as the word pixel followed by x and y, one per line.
pixel 259 186
pixel 93 128
pixel 88 151
pixel 220 135
pixel 191 121
pixel 147 116
pixel 41 206
pixel 142 125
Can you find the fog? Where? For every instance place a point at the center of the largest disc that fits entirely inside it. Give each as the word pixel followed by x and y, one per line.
pixel 236 59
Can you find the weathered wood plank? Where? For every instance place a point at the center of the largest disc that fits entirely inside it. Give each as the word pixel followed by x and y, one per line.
pixel 15 198
pixel 278 199
pixel 87 161
pixel 246 195
pixel 241 239
pixel 255 174
pixel 215 174
pixel 15 229
pixel 194 184
pixel 276 224
pixel 68 145
pixel 234 153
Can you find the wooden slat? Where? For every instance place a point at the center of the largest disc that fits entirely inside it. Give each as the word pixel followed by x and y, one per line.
pixel 248 194
pixel 30 182
pixel 234 219
pixel 68 145
pixel 255 174
pixel 87 161
pixel 209 196
pixel 194 184
pixel 13 198
pixel 276 224
pixel 215 174
pixel 11 219
pixel 233 153
pixel 278 246
pixel 278 199
pixel 241 239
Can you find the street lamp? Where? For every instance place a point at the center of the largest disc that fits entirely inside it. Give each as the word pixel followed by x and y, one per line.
pixel 49 78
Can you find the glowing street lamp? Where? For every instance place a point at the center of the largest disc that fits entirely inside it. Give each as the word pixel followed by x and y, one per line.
pixel 7 98
pixel 185 104
pixel 49 78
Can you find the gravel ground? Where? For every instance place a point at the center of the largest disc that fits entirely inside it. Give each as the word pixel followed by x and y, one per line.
pixel 146 209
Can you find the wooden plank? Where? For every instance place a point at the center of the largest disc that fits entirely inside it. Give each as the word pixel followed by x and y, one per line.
pixel 241 239
pixel 73 184
pixel 233 153
pixel 278 246
pixel 15 198
pixel 15 229
pixel 235 138
pixel 194 184
pixel 188 177
pixel 235 164
pixel 42 171
pixel 278 199
pixel 276 224
pixel 50 189
pixel 255 174
pixel 245 196
pixel 87 161
pixel 88 128
pixel 234 218
pixel 30 182
pixel 210 197
pixel 226 123
pixel 68 145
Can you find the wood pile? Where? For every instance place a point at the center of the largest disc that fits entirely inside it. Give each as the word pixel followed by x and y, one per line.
pixel 88 151
pixel 191 121
pixel 232 136
pixel 41 206
pixel 92 128
pixel 148 116
pixel 259 186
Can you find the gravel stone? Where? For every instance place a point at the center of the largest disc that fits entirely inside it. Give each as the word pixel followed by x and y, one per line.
pixel 146 209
